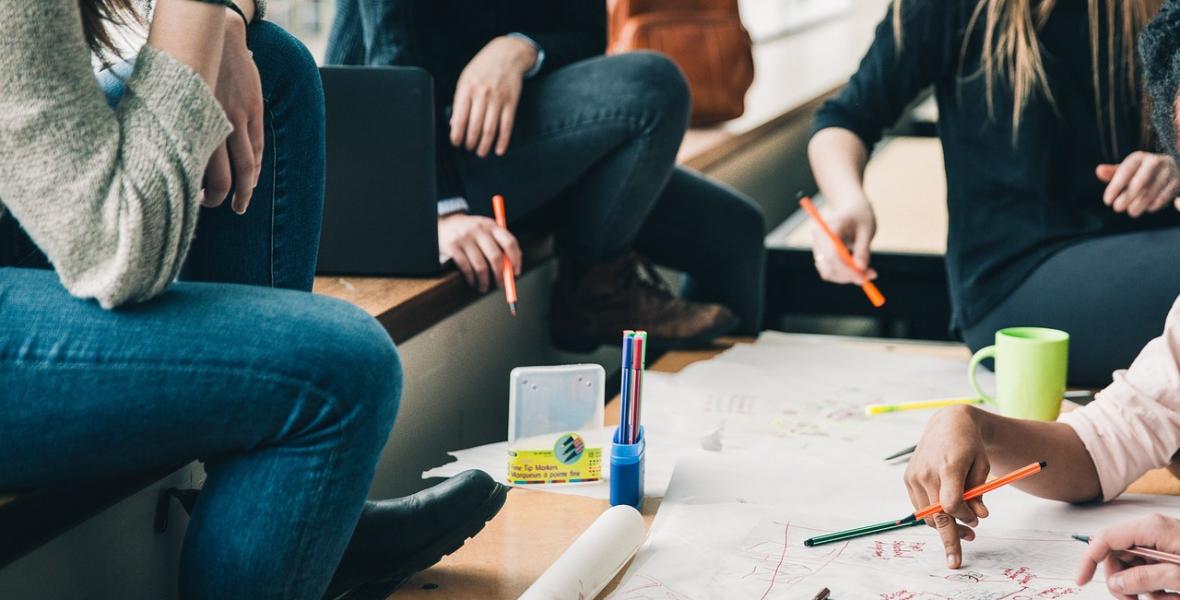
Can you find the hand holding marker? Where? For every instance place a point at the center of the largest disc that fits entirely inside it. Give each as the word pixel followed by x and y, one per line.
pixel 917 517
pixel 869 288
pixel 506 270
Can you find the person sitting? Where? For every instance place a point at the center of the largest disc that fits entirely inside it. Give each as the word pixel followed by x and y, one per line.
pixel 1056 193
pixel 527 107
pixel 109 367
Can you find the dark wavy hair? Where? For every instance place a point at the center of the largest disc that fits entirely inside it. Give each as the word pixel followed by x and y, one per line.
pixel 98 16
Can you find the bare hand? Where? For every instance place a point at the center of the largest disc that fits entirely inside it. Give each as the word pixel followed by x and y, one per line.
pixel 478 247
pixel 487 95
pixel 856 227
pixel 1143 183
pixel 950 458
pixel 239 89
pixel 1129 576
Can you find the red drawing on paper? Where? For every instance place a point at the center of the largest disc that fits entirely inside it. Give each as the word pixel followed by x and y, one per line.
pixel 897 549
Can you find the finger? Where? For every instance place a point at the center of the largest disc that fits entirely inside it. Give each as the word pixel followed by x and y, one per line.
pixel 952 482
pixel 829 266
pixel 1105 172
pixel 1141 182
pixel 479 265
pixel 459 113
pixel 511 248
pixel 241 155
pixel 860 247
pixel 456 253
pixel 258 144
pixel 492 253
pixel 491 122
pixel 217 178
pixel 1146 578
pixel 507 122
pixel 1122 177
pixel 479 104
pixel 1163 596
pixel 1167 195
pixel 977 476
pixel 1112 567
pixel 948 530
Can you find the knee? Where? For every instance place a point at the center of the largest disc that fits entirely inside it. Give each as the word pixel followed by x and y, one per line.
pixel 655 82
pixel 286 67
pixel 347 354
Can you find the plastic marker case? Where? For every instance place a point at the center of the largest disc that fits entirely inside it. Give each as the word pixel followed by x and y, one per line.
pixel 626 470
pixel 555 424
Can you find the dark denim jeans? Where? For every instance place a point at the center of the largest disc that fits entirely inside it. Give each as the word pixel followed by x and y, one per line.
pixel 597 140
pixel 287 396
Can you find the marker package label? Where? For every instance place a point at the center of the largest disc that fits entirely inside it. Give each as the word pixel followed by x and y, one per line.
pixel 555 424
pixel 570 461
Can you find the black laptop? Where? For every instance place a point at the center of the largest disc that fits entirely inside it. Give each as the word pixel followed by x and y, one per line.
pixel 380 211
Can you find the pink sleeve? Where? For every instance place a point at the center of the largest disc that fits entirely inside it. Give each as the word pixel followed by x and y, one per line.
pixel 1134 424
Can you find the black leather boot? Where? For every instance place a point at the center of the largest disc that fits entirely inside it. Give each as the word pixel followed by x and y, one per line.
pixel 397 538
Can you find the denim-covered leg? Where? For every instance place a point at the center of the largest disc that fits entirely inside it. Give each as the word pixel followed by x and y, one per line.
pixel 346 42
pixel 290 396
pixel 715 235
pixel 276 242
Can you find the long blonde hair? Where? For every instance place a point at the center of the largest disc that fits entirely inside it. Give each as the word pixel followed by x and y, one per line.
pixel 1011 50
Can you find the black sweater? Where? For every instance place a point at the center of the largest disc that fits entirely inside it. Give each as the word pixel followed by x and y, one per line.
pixel 442 36
pixel 1012 203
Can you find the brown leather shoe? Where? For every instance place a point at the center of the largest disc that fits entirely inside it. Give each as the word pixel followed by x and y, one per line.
pixel 595 308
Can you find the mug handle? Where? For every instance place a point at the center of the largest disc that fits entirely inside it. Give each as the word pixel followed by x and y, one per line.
pixel 984 353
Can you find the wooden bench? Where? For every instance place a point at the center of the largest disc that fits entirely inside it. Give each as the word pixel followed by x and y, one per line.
pixel 906 184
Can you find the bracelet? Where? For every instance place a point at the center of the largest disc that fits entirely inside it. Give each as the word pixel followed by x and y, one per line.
pixel 231 5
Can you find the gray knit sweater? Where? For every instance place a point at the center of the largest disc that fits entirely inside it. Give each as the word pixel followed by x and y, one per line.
pixel 110 195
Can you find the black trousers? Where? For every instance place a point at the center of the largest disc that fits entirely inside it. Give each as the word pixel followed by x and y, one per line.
pixel 1111 294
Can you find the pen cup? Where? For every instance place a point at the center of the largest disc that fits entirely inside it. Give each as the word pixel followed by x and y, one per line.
pixel 626 470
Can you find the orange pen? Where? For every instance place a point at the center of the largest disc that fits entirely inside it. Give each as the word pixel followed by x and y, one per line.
pixel 870 290
pixel 507 270
pixel 917 517
pixel 980 490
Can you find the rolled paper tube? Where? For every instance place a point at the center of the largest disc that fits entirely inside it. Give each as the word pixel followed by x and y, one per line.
pixel 593 560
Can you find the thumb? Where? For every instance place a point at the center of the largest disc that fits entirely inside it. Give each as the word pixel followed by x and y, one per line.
pixel 1106 172
pixel 860 247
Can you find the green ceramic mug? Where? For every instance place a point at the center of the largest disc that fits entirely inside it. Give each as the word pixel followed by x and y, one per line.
pixel 1030 371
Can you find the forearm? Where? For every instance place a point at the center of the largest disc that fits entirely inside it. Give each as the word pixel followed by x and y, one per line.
pixel 838 158
pixel 192 33
pixel 1013 443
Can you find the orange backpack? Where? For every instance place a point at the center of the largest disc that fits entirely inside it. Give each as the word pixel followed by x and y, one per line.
pixel 705 37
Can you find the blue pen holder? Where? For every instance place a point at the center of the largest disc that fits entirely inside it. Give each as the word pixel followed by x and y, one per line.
pixel 626 470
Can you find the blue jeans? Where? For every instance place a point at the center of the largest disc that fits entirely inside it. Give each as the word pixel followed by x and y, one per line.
pixel 287 396
pixel 595 145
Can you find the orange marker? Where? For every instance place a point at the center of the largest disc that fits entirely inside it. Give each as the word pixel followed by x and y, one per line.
pixel 507 270
pixel 980 490
pixel 870 290
pixel 917 517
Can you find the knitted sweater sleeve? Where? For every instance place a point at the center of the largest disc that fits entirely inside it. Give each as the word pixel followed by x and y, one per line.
pixel 110 195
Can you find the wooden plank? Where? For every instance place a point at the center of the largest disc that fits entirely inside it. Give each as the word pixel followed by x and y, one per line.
pixel 408 306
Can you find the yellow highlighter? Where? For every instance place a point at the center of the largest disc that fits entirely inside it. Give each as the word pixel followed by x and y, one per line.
pixel 878 409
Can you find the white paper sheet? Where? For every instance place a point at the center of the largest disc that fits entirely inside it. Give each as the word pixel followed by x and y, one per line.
pixel 782 394
pixel 733 529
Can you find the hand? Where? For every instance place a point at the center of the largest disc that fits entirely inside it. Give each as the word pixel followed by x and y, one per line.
pixel 487 95
pixel 478 247
pixel 950 458
pixel 1143 183
pixel 856 226
pixel 1129 576
pixel 239 89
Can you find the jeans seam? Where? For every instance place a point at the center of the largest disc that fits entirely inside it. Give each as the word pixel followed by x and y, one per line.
pixel 273 191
